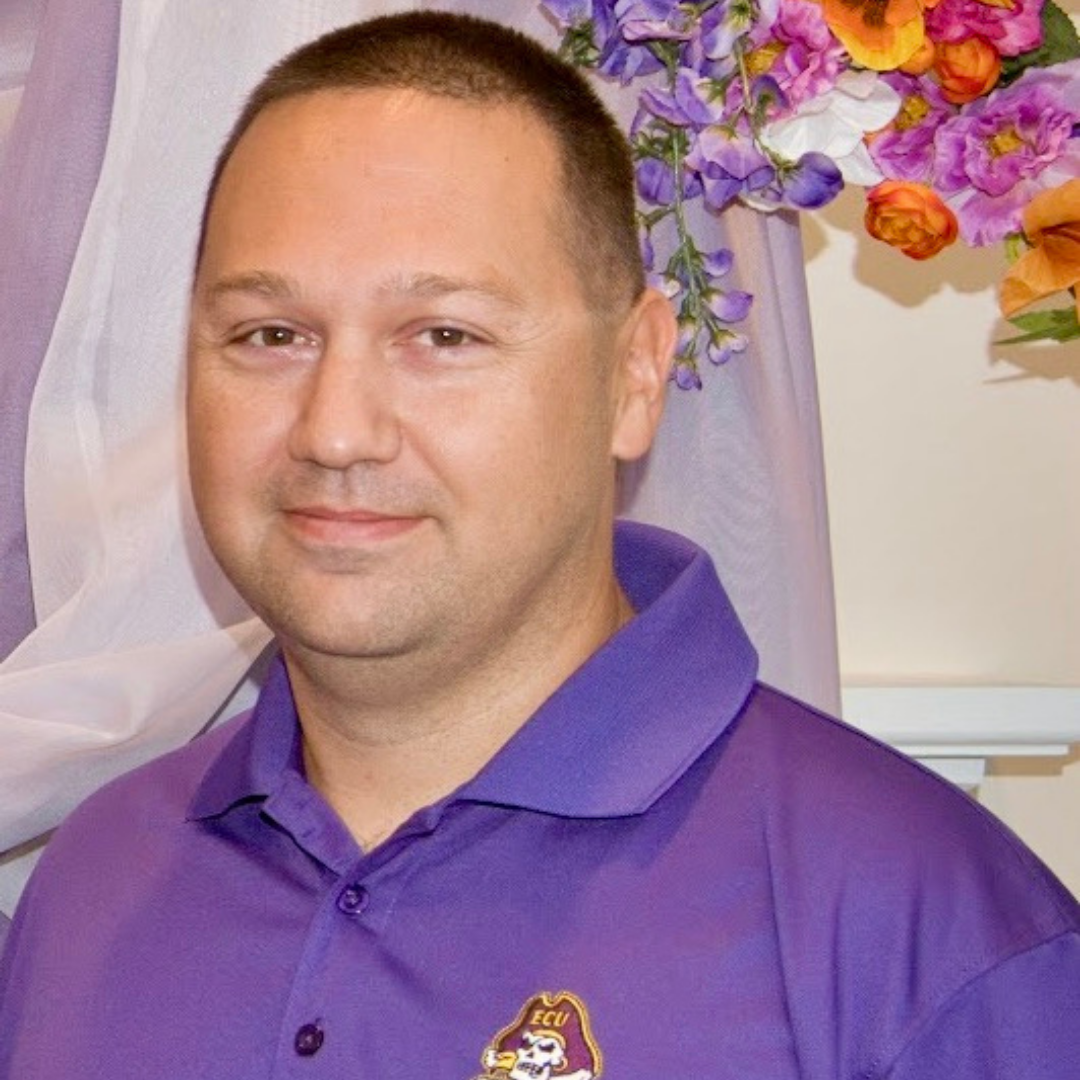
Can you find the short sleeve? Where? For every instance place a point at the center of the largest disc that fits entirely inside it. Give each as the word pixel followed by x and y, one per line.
pixel 1018 1021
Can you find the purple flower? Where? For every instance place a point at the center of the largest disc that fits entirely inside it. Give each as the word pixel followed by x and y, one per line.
pixel 1011 28
pixel 768 100
pixel 645 20
pixel 719 262
pixel 813 182
pixel 570 12
pixel 655 181
pixel 905 149
pixel 655 101
pixel 625 62
pixel 593 21
pixel 615 56
pixel 651 142
pixel 1000 151
pixel 685 374
pixel 670 286
pixel 729 165
pixel 807 184
pixel 731 306
pixel 594 14
pixel 726 22
pixel 725 347
pixel 686 105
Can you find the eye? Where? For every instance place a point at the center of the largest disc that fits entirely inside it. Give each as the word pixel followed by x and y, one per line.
pixel 446 337
pixel 273 337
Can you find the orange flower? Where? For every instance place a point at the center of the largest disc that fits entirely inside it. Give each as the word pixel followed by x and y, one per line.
pixel 910 217
pixel 921 60
pixel 1052 225
pixel 879 34
pixel 966 69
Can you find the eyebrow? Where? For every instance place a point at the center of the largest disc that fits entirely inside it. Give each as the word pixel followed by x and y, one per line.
pixel 272 285
pixel 257 282
pixel 433 286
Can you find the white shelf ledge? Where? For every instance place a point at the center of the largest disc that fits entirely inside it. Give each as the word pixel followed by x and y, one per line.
pixel 955 730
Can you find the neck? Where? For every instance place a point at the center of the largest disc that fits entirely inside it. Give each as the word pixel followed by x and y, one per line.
pixel 384 737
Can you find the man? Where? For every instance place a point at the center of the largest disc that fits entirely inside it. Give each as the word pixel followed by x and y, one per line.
pixel 511 804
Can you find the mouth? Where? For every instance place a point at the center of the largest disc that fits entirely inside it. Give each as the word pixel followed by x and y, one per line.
pixel 348 526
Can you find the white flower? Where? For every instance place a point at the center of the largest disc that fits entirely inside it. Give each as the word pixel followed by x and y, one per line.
pixel 834 124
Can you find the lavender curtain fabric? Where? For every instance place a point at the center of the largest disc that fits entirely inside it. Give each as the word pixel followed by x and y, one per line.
pixel 738 466
pixel 140 643
pixel 19 21
pixel 48 173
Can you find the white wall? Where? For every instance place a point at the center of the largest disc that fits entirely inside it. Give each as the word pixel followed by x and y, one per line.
pixel 953 470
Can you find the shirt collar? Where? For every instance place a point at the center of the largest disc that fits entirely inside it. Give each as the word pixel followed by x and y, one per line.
pixel 630 721
pixel 263 756
pixel 610 741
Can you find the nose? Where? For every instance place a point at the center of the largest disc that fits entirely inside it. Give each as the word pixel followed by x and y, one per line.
pixel 347 413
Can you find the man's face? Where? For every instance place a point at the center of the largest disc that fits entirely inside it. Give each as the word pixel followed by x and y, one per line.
pixel 401 414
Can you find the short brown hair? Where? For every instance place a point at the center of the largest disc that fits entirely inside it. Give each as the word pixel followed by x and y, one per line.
pixel 474 60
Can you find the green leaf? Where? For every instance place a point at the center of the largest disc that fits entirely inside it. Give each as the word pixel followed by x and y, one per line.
pixel 1059 325
pixel 650 218
pixel 578 45
pixel 1060 42
pixel 1015 246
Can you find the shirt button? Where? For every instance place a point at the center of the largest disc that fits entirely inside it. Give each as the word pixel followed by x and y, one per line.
pixel 352 899
pixel 308 1040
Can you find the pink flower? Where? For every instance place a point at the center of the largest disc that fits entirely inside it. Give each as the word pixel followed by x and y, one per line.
pixel 798 51
pixel 1000 151
pixel 1011 28
pixel 905 149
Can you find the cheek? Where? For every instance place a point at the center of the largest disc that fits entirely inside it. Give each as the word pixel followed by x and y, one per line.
pixel 572 422
pixel 526 454
pixel 229 440
pixel 232 412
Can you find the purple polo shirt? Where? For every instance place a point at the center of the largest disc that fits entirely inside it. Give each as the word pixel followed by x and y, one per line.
pixel 671 870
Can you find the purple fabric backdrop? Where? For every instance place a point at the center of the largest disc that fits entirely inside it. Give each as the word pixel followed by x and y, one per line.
pixel 45 189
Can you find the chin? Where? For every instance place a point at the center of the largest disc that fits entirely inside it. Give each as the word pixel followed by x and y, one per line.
pixel 341 633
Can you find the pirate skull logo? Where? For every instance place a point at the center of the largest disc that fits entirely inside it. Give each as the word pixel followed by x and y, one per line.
pixel 549 1040
pixel 540 1054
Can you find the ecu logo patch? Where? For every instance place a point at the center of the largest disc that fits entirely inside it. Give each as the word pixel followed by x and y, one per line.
pixel 549 1040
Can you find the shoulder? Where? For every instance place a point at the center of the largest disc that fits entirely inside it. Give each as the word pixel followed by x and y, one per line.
pixel 892 890
pixel 854 804
pixel 1015 1021
pixel 113 846
pixel 145 803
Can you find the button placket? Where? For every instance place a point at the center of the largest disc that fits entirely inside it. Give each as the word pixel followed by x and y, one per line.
pixel 309 1040
pixel 353 899
pixel 354 910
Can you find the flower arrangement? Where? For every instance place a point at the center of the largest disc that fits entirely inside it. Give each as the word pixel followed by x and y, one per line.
pixel 961 118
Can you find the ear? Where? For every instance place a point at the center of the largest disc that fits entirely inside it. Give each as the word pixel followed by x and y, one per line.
pixel 646 350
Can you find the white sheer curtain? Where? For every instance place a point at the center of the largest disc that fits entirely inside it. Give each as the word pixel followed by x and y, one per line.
pixel 139 642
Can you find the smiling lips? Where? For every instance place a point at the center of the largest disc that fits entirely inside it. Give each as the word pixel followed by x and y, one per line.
pixel 327 525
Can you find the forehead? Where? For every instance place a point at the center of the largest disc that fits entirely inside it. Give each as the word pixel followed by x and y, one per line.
pixel 333 120
pixel 349 169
